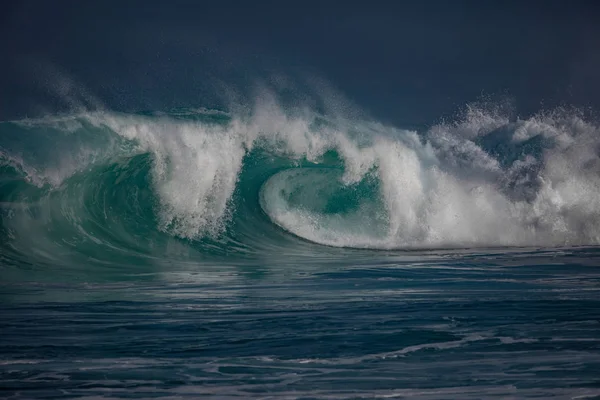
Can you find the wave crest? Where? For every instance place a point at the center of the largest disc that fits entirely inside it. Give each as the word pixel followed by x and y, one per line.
pixel 486 180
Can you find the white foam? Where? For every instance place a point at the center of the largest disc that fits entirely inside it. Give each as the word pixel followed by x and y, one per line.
pixel 439 188
pixel 195 169
pixel 449 191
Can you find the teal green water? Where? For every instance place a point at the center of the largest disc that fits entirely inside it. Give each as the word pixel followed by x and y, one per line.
pixel 288 255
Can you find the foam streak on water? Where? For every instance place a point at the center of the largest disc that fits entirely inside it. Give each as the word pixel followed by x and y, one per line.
pixel 419 325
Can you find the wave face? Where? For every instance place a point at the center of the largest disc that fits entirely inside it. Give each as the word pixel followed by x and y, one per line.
pixel 106 186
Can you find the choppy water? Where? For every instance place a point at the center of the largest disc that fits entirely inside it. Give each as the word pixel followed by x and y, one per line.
pixel 284 254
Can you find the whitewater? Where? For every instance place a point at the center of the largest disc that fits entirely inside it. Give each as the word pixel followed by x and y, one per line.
pixel 279 252
pixel 484 180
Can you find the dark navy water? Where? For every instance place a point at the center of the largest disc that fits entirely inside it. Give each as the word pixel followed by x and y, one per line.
pixel 486 324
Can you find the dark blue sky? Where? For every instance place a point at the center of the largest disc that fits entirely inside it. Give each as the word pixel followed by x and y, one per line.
pixel 406 61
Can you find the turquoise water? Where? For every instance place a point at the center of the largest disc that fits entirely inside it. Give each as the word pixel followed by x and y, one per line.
pixel 286 254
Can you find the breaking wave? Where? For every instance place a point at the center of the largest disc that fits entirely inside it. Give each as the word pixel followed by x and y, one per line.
pixel 103 183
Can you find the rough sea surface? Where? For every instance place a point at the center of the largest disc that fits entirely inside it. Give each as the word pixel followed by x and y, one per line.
pixel 284 254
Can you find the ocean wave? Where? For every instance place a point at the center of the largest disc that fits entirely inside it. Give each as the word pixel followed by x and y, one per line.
pixel 271 179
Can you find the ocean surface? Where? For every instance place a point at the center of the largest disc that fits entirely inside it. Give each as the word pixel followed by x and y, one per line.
pixel 276 252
